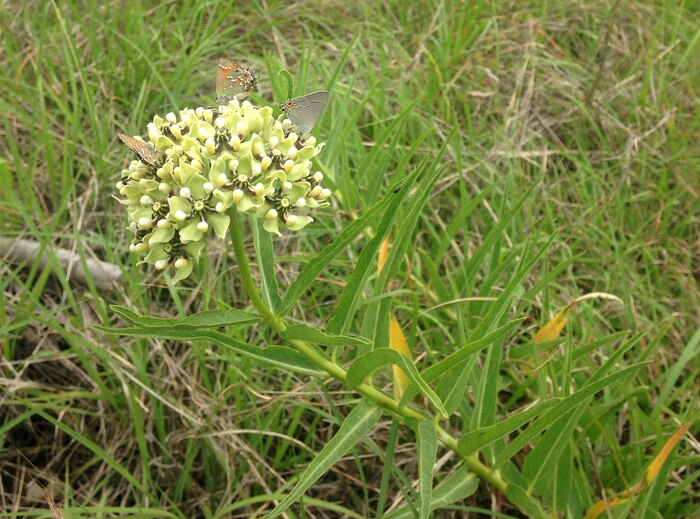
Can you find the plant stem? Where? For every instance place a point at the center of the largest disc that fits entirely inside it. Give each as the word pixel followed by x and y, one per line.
pixel 336 371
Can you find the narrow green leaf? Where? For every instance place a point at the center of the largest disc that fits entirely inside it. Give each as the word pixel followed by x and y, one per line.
pixel 279 356
pixel 202 319
pixel 344 312
pixel 525 502
pixel 317 264
pixel 427 452
pixel 479 438
pixel 540 464
pixel 355 427
pixel 567 404
pixel 265 257
pixel 371 361
pixel 314 335
pixel 457 487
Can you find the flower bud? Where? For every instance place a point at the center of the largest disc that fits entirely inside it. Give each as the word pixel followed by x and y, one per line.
pixel 318 176
pixel 237 195
pixel 271 214
pixel 161 264
pixel 175 130
pixel 164 187
pixel 181 263
pixel 202 226
pixel 145 222
pixel 180 216
pixel 265 163
pixel 185 192
pixel 146 200
pixel 211 146
pixel 164 224
pixel 208 187
pixel 221 180
pixel 325 193
pixel 171 118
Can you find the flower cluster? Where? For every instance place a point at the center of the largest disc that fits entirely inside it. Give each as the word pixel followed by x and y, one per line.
pixel 203 163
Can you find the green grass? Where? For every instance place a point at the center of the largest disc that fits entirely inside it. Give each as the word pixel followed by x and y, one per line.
pixel 566 130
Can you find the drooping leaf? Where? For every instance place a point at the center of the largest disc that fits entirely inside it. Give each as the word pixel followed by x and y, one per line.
pixel 371 361
pixel 314 335
pixel 355 427
pixel 278 356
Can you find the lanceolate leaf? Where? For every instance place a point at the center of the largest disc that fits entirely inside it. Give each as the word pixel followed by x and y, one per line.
pixel 266 263
pixel 316 265
pixel 368 363
pixel 314 335
pixel 208 318
pixel 475 440
pixel 427 452
pixel 355 427
pixel 279 356
pixel 344 311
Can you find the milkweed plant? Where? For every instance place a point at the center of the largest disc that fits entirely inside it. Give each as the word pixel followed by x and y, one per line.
pixel 199 170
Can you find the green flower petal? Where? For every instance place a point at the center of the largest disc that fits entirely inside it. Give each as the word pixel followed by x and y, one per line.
pixel 271 226
pixel 162 235
pixel 182 273
pixel 219 222
pixel 190 232
pixel 300 223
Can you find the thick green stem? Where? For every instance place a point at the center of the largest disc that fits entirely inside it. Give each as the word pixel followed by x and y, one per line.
pixel 336 371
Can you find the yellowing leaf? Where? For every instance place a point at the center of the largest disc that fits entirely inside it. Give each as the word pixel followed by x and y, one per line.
pixel 553 328
pixel 661 457
pixel 383 254
pixel 653 470
pixel 397 342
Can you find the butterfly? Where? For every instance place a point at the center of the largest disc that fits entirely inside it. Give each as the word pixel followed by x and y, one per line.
pixel 234 81
pixel 145 151
pixel 305 110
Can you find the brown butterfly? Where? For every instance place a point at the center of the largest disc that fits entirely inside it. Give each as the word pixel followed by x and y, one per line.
pixel 234 81
pixel 145 151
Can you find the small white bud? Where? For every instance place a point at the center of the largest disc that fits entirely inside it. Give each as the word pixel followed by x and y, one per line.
pixel 180 215
pixel 315 191
pixel 132 247
pixel 235 142
pixel 218 193
pixel 140 248
pixel 318 176
pixel 259 189
pixel 237 195
pixel 202 133
pixel 233 165
pixel 265 163
pixel 175 130
pixel 170 117
pixel 211 146
pixel 219 122
pixel 300 203
pixel 185 192
pixel 187 119
pixel 293 137
pixel 146 200
pixel 164 187
pixel 292 153
pixel 119 185
pixel 271 214
pixel 208 115
pixel 221 180
pixel 137 175
pixel 274 141
pixel 288 165
pixel 220 208
pixel 257 169
pixel 161 264
pixel 199 111
pixel 291 219
pixel 208 187
pixel 181 263
pixel 145 222
pixel 325 193
pixel 164 224
pixel 311 141
pixel 258 148
pixel 241 129
pixel 202 226
pixel 287 185
pixel 161 173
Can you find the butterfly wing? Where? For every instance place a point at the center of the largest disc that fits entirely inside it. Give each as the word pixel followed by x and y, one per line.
pixel 304 111
pixel 233 81
pixel 145 151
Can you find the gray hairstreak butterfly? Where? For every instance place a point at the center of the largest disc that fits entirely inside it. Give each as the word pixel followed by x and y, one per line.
pixel 144 150
pixel 234 81
pixel 304 111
